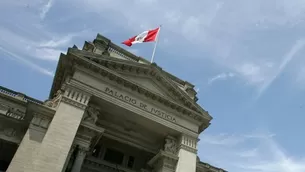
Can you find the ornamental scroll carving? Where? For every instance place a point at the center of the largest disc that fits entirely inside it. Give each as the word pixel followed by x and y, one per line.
pixel 91 114
pixel 53 103
pixel 170 145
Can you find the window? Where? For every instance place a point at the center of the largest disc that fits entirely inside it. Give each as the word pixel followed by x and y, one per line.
pixel 130 162
pixel 114 156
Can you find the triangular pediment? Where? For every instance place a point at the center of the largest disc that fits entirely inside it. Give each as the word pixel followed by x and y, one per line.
pixel 149 83
pixel 147 76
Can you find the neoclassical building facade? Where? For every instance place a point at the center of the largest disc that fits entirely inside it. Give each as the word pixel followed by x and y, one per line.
pixel 108 111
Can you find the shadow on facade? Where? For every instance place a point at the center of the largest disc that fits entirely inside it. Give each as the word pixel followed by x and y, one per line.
pixel 7 151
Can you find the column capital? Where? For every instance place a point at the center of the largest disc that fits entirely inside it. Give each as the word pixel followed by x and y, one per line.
pixel 188 143
pixel 82 151
pixel 75 97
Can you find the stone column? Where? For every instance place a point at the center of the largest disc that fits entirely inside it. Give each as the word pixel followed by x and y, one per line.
pixel 59 138
pixel 68 158
pixel 80 157
pixel 187 153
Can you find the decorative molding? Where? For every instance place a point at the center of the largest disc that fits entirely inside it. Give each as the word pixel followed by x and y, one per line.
pixel 188 143
pixel 75 97
pixel 88 135
pixel 53 103
pixel 82 151
pixel 40 120
pixel 164 160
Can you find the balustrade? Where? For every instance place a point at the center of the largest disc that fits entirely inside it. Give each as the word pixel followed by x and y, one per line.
pixel 14 94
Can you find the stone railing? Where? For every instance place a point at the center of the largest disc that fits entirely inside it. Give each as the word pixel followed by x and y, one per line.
pixel 17 95
pixel 112 50
pixel 100 165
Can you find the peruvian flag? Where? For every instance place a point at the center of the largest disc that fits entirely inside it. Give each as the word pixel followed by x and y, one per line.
pixel 146 36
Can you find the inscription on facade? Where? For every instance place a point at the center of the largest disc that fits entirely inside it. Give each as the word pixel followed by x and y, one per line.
pixel 139 104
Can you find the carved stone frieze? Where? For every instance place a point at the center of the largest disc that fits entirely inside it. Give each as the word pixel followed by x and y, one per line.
pixel 170 145
pixel 91 114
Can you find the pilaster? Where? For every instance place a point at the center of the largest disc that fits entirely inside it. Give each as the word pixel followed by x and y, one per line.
pixel 59 138
pixel 30 144
pixel 187 153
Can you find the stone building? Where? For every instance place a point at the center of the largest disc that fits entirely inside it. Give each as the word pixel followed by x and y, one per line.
pixel 108 111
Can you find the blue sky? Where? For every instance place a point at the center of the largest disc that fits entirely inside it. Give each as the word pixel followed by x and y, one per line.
pixel 245 58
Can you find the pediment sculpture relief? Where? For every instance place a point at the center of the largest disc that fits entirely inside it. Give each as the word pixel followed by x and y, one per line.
pixel 170 145
pixel 91 114
pixel 53 103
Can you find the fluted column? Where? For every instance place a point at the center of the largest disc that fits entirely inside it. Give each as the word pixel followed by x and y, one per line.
pixel 80 157
pixel 187 153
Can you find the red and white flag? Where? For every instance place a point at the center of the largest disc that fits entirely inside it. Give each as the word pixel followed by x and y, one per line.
pixel 146 36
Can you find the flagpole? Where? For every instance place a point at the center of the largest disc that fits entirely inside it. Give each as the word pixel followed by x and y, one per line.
pixel 156 42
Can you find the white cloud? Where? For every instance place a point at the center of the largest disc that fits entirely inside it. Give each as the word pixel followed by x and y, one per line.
pixel 45 9
pixel 216 27
pixel 27 62
pixel 234 153
pixel 299 45
pixel 221 76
